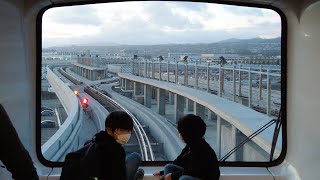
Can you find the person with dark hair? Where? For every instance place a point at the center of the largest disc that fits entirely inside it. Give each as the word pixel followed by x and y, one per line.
pixel 197 161
pixel 103 157
pixel 118 128
pixel 12 152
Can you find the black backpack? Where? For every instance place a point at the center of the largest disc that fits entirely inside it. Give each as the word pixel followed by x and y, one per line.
pixel 83 164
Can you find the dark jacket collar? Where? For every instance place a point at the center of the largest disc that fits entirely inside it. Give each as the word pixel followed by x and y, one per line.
pixel 102 137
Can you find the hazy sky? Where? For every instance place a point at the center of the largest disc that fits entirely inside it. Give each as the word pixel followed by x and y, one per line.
pixel 155 23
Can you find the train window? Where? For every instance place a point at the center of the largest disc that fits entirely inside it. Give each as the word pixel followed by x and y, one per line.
pixel 159 61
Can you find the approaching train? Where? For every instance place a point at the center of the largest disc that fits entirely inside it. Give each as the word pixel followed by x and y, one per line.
pixel 267 106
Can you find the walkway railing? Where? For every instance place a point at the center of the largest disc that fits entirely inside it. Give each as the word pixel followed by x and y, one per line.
pixel 256 87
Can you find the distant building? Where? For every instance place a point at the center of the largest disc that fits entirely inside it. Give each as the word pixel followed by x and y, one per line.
pixel 91 66
pixel 209 58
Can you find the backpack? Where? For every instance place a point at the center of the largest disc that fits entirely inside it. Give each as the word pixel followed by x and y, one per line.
pixel 83 164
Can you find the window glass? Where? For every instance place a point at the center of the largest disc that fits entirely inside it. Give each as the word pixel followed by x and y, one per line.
pixel 160 61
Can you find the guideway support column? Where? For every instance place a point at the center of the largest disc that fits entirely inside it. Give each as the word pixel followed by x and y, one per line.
pixel 147 95
pixel 211 115
pixel 189 105
pixel 136 88
pixel 127 84
pixel 219 137
pixel 137 92
pixel 122 83
pixel 230 137
pixel 161 101
pixel 199 110
pixel 171 98
pixel 178 106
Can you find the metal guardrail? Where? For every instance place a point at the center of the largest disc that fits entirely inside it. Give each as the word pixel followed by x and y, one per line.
pixel 253 84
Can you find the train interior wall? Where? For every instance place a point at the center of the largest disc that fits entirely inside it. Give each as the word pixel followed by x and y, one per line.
pixel 18 81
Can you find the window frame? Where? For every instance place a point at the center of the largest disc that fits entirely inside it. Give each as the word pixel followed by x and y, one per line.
pixel 283 112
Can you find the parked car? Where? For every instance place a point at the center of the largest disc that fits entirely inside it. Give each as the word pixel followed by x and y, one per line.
pixel 48 124
pixel 47 113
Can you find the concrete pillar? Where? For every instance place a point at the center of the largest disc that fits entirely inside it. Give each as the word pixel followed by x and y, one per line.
pixel 171 98
pixel 211 115
pixel 233 142
pixel 147 95
pixel 136 88
pixel 94 74
pixel 161 101
pixel 230 137
pixel 154 94
pixel 126 84
pixel 218 137
pixel 189 105
pixel 236 138
pixel 178 106
pixel 199 110
pixel 122 82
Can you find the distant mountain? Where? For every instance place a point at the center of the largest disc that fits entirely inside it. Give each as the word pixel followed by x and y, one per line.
pixel 100 44
pixel 254 46
pixel 231 40
pixel 252 40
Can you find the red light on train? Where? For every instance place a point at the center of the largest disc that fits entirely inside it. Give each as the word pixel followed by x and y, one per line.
pixel 85 103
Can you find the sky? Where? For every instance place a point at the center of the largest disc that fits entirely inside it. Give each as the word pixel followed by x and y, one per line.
pixel 155 22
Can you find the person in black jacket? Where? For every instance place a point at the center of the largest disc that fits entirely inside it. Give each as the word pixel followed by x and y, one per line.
pixel 197 161
pixel 12 152
pixel 118 127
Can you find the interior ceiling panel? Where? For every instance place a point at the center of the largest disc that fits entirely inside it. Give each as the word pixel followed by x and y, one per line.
pixel 264 2
pixel 297 6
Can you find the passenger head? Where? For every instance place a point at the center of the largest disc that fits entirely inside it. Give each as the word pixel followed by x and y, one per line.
pixel 119 125
pixel 191 128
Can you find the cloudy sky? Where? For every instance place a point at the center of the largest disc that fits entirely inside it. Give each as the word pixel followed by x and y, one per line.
pixel 138 23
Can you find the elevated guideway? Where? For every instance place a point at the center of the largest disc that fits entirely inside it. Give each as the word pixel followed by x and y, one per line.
pixel 65 138
pixel 257 87
pixel 241 118
pixel 78 127
pixel 96 105
pixel 165 146
pixel 159 127
pixel 89 82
